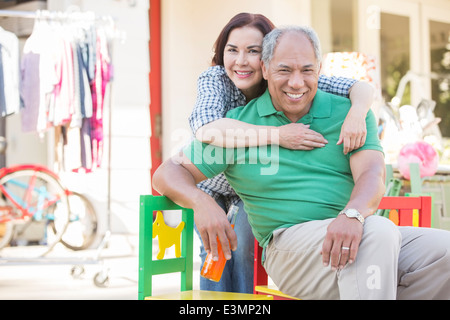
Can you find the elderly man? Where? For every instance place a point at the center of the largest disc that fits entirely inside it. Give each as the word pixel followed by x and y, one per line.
pixel 312 212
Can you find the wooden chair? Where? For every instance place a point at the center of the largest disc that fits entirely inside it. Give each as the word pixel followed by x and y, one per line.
pixel 403 211
pixel 408 211
pixel 394 186
pixel 148 267
pixel 261 279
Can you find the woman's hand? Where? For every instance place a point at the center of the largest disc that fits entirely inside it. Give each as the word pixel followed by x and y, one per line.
pixel 298 136
pixel 353 131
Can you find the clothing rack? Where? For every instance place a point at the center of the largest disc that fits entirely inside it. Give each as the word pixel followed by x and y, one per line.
pixel 74 14
pixel 17 14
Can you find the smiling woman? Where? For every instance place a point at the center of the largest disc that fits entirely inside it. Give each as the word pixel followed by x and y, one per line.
pixel 242 60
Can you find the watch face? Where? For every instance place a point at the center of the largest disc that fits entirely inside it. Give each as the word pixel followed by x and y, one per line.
pixel 351 213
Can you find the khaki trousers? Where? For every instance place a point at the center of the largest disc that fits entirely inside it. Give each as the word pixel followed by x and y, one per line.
pixel 392 263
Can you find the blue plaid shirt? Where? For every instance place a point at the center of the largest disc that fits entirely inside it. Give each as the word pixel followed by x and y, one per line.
pixel 216 95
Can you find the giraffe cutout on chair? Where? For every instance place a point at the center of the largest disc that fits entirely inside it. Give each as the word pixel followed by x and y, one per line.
pixel 167 236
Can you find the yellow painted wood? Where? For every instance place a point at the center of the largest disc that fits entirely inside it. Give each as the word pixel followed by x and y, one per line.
pixel 415 218
pixel 167 236
pixel 209 295
pixel 272 290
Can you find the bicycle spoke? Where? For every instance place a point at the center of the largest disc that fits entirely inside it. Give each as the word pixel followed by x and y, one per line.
pixel 15 200
pixel 29 192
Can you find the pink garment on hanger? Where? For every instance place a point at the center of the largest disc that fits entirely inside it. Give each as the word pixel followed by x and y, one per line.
pixel 64 88
pixel 103 74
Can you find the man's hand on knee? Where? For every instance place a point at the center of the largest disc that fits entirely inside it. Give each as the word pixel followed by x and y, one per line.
pixel 341 242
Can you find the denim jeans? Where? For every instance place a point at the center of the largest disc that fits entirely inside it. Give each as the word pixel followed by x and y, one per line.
pixel 238 273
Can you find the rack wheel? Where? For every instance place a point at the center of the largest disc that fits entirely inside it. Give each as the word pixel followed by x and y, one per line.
pixel 101 279
pixel 77 271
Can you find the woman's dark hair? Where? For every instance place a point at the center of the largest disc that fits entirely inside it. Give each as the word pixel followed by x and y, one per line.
pixel 240 20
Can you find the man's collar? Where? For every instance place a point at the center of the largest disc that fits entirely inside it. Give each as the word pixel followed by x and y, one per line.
pixel 321 106
pixel 265 106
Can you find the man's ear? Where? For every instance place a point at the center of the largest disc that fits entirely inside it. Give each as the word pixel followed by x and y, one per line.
pixel 264 70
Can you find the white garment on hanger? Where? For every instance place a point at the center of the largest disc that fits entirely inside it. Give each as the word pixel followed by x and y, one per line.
pixel 9 44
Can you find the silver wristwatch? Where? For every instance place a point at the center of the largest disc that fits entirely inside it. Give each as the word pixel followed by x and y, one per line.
pixel 353 213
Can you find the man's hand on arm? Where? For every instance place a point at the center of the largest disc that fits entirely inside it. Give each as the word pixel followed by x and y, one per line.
pixel 368 171
pixel 177 179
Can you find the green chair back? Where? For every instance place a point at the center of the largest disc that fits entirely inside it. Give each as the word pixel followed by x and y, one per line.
pixel 148 267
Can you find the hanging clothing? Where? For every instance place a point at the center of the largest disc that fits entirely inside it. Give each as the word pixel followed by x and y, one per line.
pixel 103 74
pixel 2 84
pixel 9 73
pixel 65 70
pixel 30 90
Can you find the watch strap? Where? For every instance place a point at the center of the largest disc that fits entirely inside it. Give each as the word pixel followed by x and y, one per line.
pixel 355 215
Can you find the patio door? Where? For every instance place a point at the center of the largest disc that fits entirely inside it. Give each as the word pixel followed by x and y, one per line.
pixel 436 53
pixel 390 30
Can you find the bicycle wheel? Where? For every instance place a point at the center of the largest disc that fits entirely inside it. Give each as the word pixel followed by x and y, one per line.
pixel 6 233
pixel 6 226
pixel 82 228
pixel 41 211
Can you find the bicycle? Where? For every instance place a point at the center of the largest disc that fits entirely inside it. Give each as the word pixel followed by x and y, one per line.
pixel 36 209
pixel 82 228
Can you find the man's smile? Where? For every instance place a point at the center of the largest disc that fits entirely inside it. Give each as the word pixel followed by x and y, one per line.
pixel 295 96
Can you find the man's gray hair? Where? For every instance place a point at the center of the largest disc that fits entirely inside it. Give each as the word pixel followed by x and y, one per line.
pixel 271 40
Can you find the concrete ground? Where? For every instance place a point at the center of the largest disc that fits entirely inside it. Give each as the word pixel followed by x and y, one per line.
pixel 59 277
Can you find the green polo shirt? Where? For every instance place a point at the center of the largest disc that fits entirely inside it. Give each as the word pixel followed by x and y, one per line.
pixel 282 187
